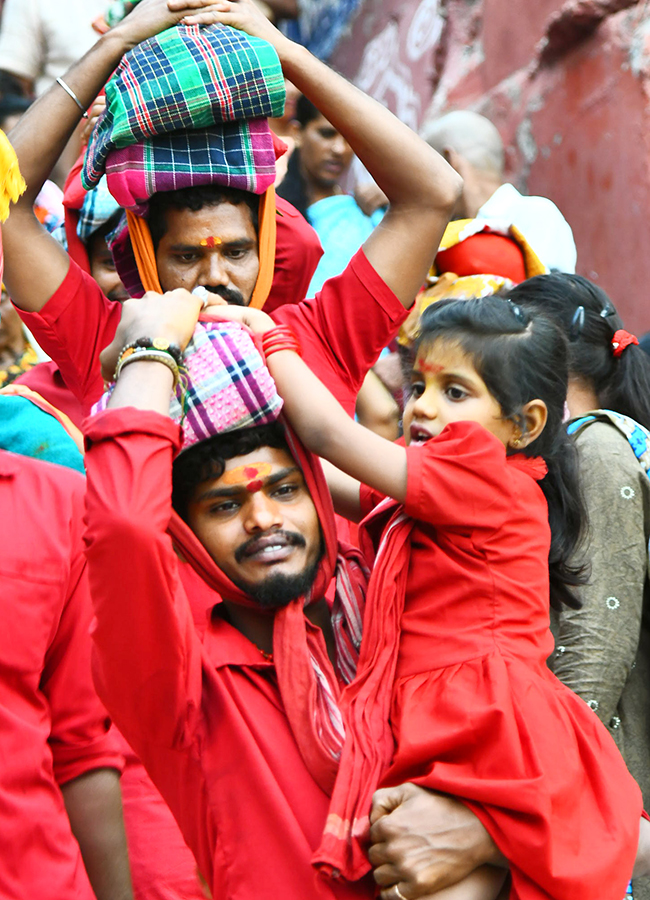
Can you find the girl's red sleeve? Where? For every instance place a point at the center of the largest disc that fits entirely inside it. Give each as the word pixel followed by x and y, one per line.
pixel 459 479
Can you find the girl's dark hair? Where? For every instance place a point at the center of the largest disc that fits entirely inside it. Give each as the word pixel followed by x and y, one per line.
pixel 522 359
pixel 207 459
pixel 293 186
pixel 620 383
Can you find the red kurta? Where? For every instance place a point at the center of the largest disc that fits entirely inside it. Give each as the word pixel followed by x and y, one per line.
pixel 193 696
pixel 52 726
pixel 342 332
pixel 476 713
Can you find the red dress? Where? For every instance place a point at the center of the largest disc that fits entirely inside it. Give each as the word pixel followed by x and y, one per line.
pixel 475 712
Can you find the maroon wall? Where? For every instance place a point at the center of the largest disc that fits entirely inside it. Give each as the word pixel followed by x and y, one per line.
pixel 567 85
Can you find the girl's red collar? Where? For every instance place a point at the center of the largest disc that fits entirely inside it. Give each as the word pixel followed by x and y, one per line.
pixel 532 465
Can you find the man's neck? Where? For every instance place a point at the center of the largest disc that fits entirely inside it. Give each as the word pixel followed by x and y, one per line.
pixel 257 626
pixel 581 398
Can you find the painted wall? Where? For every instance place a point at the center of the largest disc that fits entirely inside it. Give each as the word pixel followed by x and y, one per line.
pixel 566 83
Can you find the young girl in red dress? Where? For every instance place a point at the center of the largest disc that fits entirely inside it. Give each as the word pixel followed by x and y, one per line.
pixel 472 524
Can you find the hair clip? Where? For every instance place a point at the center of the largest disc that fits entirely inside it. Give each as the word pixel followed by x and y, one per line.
pixel 607 310
pixel 518 312
pixel 577 324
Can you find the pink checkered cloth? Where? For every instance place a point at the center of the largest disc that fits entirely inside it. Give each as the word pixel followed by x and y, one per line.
pixel 228 385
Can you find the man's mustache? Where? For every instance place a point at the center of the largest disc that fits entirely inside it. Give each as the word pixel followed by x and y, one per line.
pixel 249 547
pixel 230 295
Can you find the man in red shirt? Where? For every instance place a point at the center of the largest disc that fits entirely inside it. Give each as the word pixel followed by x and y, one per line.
pixel 201 640
pixel 56 754
pixel 343 330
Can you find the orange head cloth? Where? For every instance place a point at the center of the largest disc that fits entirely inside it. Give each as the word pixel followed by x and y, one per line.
pixel 145 256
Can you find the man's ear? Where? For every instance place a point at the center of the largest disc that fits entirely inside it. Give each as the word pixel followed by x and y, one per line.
pixel 534 415
pixel 455 160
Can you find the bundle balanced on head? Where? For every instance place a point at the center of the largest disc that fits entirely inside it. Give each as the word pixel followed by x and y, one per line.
pixel 243 746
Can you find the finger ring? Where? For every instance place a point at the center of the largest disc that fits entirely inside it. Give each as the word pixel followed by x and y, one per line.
pixel 398 895
pixel 203 294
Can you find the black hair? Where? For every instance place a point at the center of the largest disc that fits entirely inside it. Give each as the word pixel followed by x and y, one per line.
pixel 522 359
pixel 294 186
pixel 14 98
pixel 207 459
pixel 195 199
pixel 620 383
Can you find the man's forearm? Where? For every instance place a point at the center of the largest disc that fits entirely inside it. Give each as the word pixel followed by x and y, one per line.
pixel 44 130
pixel 406 169
pixel 94 806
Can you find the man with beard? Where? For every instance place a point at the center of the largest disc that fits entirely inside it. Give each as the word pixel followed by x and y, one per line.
pixel 207 237
pixel 217 651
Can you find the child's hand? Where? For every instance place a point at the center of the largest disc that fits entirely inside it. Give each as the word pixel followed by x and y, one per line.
pixel 241 14
pixel 95 112
pixel 255 319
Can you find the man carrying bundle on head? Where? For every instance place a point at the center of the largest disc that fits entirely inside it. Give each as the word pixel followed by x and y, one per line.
pixel 200 239
pixel 211 240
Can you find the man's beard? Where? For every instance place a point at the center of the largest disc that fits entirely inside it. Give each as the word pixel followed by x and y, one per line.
pixel 279 589
pixel 232 296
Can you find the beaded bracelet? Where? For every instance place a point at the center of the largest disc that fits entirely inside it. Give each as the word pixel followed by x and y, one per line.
pixel 157 343
pixel 148 355
pixel 280 338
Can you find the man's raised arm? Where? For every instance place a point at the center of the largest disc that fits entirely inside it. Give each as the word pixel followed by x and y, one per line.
pixel 421 187
pixel 35 264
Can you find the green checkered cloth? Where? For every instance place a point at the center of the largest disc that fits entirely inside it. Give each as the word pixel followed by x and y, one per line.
pixel 187 77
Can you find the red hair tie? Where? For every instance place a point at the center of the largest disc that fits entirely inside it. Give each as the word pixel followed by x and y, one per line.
pixel 621 340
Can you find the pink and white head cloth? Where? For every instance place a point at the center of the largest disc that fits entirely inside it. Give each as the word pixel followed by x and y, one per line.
pixel 228 385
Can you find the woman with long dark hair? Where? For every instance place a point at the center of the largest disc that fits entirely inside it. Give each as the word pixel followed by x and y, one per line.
pixel 603 649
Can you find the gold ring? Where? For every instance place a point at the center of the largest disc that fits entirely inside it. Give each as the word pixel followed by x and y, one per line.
pixel 398 894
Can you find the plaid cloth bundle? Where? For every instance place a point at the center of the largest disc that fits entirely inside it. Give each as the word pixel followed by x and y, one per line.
pixel 188 77
pixel 236 154
pixel 228 385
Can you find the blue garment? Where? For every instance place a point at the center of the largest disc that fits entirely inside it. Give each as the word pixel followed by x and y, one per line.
pixel 637 436
pixel 27 430
pixel 342 228
pixel 320 24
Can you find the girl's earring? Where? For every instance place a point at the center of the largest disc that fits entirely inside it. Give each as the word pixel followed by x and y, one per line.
pixel 516 441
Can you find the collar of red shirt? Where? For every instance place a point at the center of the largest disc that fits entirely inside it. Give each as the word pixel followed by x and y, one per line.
pixel 531 465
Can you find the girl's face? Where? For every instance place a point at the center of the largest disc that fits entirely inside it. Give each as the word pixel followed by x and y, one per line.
pixel 445 387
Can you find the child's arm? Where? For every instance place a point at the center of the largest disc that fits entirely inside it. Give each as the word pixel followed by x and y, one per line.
pixel 344 491
pixel 320 422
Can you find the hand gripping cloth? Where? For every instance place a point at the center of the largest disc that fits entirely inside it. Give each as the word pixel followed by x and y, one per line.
pixel 228 385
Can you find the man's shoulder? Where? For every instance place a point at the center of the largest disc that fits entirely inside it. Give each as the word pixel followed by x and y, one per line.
pixel 46 483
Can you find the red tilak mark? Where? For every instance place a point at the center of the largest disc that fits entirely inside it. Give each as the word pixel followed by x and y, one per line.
pixel 210 241
pixel 434 368
pixel 253 486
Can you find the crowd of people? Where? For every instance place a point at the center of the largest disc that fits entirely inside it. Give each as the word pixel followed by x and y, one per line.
pixel 330 512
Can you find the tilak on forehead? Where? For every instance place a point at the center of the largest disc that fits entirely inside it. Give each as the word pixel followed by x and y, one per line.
pixel 251 476
pixel 211 241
